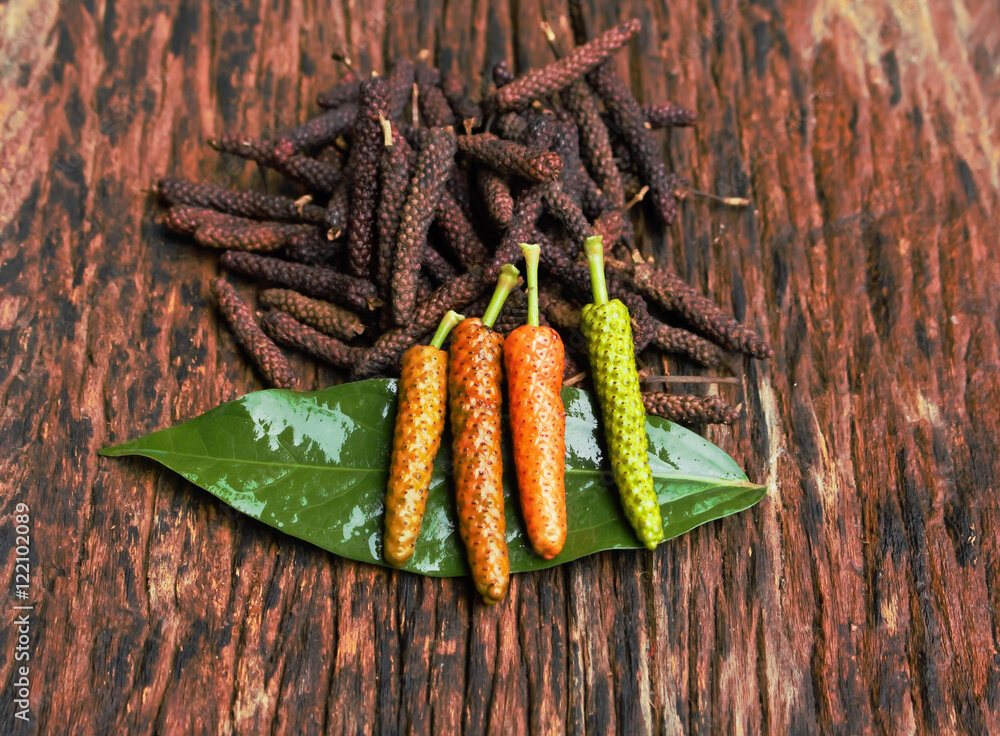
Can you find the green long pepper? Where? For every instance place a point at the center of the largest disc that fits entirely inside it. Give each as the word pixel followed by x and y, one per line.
pixel 608 331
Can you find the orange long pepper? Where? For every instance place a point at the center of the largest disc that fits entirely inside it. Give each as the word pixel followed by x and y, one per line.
pixel 423 394
pixel 475 378
pixel 533 358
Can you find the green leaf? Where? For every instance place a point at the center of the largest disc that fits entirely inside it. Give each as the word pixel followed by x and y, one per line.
pixel 314 465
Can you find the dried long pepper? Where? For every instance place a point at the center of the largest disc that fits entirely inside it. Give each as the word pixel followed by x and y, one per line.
pixel 690 409
pixel 314 281
pixel 433 104
pixel 273 365
pixel 534 358
pixel 217 230
pixel 429 176
pixel 243 203
pixel 322 315
pixel 400 85
pixel 366 153
pixel 474 395
pixel 555 76
pixel 420 420
pixel 668 115
pixel 311 247
pixel 394 175
pixel 608 331
pixel 346 91
pixel 319 176
pixel 288 331
pixel 496 196
pixel 595 143
pixel 647 153
pixel 459 233
pixel 321 130
pixel 672 293
pixel 508 157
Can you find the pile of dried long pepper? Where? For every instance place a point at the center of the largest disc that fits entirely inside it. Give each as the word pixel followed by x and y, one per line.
pixel 413 197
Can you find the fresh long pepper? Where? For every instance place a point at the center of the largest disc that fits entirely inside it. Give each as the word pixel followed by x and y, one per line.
pixel 534 358
pixel 420 419
pixel 607 329
pixel 474 391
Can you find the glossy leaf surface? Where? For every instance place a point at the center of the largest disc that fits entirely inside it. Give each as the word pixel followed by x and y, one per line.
pixel 314 465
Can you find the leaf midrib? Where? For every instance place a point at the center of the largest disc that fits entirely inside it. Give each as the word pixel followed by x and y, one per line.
pixel 121 450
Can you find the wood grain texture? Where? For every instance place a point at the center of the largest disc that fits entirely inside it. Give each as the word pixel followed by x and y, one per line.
pixel 861 596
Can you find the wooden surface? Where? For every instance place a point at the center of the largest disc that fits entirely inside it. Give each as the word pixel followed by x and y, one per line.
pixel 861 596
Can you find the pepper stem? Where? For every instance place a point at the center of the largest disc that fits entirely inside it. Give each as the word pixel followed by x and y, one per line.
pixel 593 247
pixel 447 322
pixel 531 251
pixel 506 281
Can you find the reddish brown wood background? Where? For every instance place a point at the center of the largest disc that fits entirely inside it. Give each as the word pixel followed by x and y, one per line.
pixel 861 596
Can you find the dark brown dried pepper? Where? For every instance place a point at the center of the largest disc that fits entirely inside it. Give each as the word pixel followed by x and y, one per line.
pixel 647 154
pixel 502 74
pixel 668 115
pixel 689 409
pixel 467 111
pixel 595 143
pixel 366 153
pixel 288 331
pixel 320 130
pixel 399 82
pixel 675 340
pixel 496 195
pixel 322 315
pixel 243 203
pixel 569 214
pixel 436 265
pixel 430 173
pixel 527 209
pixel 512 158
pixel 549 79
pixel 670 292
pixel 459 233
pixel 268 358
pixel 346 91
pixel 315 281
pixel 218 230
pixel 394 174
pixel 433 104
pixel 313 173
pixel 312 246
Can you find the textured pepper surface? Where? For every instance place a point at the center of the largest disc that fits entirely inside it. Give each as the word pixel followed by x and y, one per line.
pixel 557 75
pixel 608 332
pixel 366 152
pixel 423 397
pixel 534 359
pixel 287 330
pixel 474 389
pixel 508 157
pixel 645 150
pixel 244 203
pixel 324 316
pixel 690 409
pixel 268 358
pixel 324 283
pixel 430 174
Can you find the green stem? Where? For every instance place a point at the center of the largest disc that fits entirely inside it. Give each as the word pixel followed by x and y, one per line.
pixel 506 281
pixel 447 322
pixel 594 249
pixel 531 252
